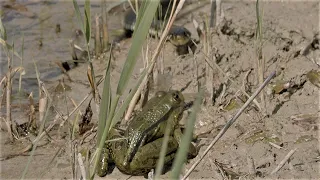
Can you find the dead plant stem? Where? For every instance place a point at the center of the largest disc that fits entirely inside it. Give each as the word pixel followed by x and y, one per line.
pixel 285 159
pixel 9 88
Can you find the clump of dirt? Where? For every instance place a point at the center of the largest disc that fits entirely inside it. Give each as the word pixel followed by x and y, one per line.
pixel 258 141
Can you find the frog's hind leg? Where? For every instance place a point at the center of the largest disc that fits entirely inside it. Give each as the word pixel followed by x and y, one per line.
pixel 147 156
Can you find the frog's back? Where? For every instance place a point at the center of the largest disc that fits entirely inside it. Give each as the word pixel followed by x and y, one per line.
pixel 149 117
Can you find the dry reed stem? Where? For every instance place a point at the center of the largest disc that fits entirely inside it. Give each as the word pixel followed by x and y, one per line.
pixel 74 150
pixel 75 105
pixel 158 48
pixel 209 71
pixel 259 54
pixel 82 169
pixel 65 95
pixel 135 10
pixel 275 145
pixel 42 104
pixel 229 123
pixel 213 13
pixel 219 13
pixel 8 98
pixel 97 42
pixel 285 159
pixel 145 90
pixel 32 114
pixel 105 36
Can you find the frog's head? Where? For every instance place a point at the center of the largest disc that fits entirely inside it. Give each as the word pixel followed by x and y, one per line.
pixel 176 98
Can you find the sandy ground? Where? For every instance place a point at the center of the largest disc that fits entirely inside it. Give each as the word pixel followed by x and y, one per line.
pixel 292 114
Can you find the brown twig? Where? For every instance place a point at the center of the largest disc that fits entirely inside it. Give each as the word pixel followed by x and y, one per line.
pixel 285 159
pixel 229 123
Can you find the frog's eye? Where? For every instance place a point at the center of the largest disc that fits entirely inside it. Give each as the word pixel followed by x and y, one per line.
pixel 176 97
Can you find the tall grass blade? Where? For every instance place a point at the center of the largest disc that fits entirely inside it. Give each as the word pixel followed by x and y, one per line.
pixel 3 40
pixel 163 151
pixel 3 31
pixel 186 139
pixel 139 37
pixel 87 13
pixel 125 104
pixel 78 14
pixel 259 22
pixel 105 102
pixel 9 47
pixel 100 144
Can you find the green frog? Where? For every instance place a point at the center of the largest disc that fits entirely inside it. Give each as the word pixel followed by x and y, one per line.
pixel 139 153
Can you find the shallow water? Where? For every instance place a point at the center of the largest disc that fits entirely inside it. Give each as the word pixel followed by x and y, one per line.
pixel 42 44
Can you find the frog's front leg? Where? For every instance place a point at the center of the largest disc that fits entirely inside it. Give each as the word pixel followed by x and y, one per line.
pixel 193 151
pixel 106 163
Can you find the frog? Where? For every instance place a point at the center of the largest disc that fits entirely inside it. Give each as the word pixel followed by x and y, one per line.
pixel 144 160
pixel 139 153
pixel 146 126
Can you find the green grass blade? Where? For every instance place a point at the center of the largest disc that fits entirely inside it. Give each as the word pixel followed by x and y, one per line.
pixel 3 31
pixel 78 14
pixel 259 22
pixel 125 104
pixel 163 151
pixel 186 139
pixel 139 36
pixel 87 13
pixel 141 10
pixel 105 103
pixel 9 48
pixel 104 135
